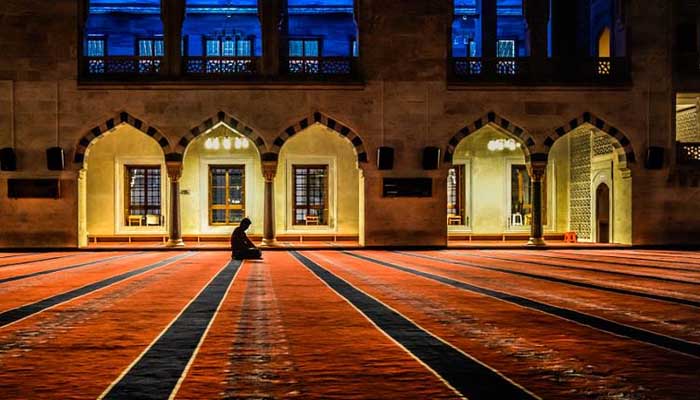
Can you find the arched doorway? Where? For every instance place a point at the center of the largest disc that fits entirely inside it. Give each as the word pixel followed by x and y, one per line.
pixel 488 185
pixel 122 186
pixel 602 213
pixel 222 180
pixel 319 185
pixel 586 156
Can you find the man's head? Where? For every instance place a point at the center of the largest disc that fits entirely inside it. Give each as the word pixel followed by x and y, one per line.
pixel 245 223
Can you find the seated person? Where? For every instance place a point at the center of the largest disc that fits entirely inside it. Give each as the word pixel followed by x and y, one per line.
pixel 241 247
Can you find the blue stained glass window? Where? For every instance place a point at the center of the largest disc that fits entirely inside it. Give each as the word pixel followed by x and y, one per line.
pixel 159 47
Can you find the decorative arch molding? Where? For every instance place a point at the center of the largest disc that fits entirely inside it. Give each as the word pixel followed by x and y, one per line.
pixel 320 118
pixel 121 118
pixel 623 146
pixel 231 122
pixel 518 133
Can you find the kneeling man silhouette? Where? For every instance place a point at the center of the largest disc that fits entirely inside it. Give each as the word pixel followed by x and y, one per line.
pixel 241 247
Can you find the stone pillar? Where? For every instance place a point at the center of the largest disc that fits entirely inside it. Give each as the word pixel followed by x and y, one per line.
pixel 269 172
pixel 175 173
pixel 537 17
pixel 270 14
pixel 489 28
pixel 173 16
pixel 537 172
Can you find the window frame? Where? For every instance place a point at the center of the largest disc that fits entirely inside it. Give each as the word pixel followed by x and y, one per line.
pixel 127 191
pixel 304 39
pixel 153 40
pixel 325 211
pixel 226 207
pixel 91 38
pixel 221 39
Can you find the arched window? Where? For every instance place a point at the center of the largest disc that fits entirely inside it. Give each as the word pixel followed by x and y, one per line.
pixel 124 36
pixel 221 36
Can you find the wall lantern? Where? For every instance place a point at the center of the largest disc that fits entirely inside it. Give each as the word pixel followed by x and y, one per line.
pixel 227 143
pixel 502 144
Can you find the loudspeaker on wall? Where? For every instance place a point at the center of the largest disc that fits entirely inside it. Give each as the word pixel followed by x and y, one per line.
pixel 8 159
pixel 385 157
pixel 655 157
pixel 431 158
pixel 54 159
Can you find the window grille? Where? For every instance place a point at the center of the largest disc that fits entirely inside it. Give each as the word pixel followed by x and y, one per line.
pixel 310 194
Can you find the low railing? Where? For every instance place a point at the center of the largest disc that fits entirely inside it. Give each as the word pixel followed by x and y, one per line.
pixel 207 65
pixel 550 71
pixel 310 66
pixel 490 69
pixel 688 154
pixel 122 65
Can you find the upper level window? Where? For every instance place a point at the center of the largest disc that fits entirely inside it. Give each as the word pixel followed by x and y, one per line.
pixel 511 29
pixel 466 29
pixel 121 31
pixel 505 49
pixel 228 30
pixel 152 47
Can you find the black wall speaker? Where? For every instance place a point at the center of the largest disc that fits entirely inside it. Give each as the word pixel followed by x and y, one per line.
pixel 655 158
pixel 54 159
pixel 385 157
pixel 431 158
pixel 8 159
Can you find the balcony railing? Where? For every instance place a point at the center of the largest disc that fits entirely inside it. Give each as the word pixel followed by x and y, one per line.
pixel 688 154
pixel 551 71
pixel 328 66
pixel 490 69
pixel 212 66
pixel 122 65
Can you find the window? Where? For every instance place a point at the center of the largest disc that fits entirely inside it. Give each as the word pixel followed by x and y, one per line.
pixel 505 49
pixel 143 195
pixel 226 194
pixel 228 47
pixel 304 48
pixel 355 48
pixel 95 47
pixel 456 214
pixel 151 47
pixel 310 194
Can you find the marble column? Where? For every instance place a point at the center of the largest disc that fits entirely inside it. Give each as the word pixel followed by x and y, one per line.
pixel 537 172
pixel 175 173
pixel 269 172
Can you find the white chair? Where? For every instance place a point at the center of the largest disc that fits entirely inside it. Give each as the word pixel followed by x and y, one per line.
pixel 516 219
pixel 152 220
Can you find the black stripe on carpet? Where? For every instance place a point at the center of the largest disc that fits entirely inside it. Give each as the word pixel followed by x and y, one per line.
pixel 602 324
pixel 601 271
pixel 36 261
pixel 22 312
pixel 466 375
pixel 66 268
pixel 586 285
pixel 158 370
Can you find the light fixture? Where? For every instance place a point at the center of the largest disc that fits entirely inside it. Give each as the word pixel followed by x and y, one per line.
pixel 502 144
pixel 227 143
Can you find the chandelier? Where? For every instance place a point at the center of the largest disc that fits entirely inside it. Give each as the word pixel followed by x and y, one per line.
pixel 502 144
pixel 227 143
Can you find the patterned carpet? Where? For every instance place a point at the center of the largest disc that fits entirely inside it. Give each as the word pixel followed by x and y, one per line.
pixel 358 324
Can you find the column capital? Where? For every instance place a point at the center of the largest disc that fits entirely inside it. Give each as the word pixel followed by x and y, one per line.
pixel 174 170
pixel 269 170
pixel 537 170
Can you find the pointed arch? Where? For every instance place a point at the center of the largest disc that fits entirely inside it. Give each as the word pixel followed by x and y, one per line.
pixel 320 118
pixel 225 118
pixel 122 117
pixel 518 133
pixel 623 146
